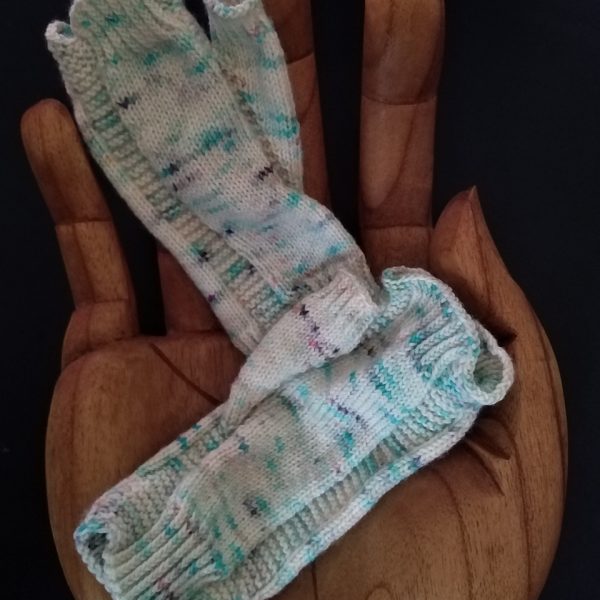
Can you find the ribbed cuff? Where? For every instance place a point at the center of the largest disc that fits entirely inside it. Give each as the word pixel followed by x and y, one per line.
pixel 448 348
pixel 172 550
pixel 324 325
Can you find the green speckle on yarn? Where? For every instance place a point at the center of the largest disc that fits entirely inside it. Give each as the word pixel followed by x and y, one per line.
pixel 85 23
pixel 417 337
pixel 334 250
pixel 227 167
pixel 231 522
pixel 287 403
pixel 394 471
pixel 293 199
pixel 213 137
pixel 172 212
pixel 262 504
pixel 213 210
pixel 236 269
pixel 193 568
pixel 271 464
pixel 425 370
pixel 270 63
pixel 198 250
pixel 200 67
pixel 141 546
pixel 246 97
pixel 114 19
pixel 446 309
pixel 170 531
pixel 327 370
pixel 185 43
pixel 346 441
pixel 100 99
pixel 279 445
pixel 175 463
pixel 238 553
pixel 183 442
pixel 303 391
pixel 244 447
pixel 445 383
pixel 107 122
pixel 371 464
pixel 381 388
pixel 218 562
pixel 301 268
pixel 211 445
pixel 150 59
pixel 283 126
pixel 91 526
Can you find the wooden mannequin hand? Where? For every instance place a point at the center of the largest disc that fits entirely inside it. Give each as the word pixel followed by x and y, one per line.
pixel 482 522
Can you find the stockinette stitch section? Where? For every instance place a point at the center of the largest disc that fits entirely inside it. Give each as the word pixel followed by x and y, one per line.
pixel 243 298
pixel 250 55
pixel 236 517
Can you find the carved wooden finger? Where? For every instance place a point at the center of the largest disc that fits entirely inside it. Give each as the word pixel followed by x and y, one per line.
pixel 403 44
pixel 530 425
pixel 98 276
pixel 482 522
pixel 185 308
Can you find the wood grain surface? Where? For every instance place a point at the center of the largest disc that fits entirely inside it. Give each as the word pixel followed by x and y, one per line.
pixel 482 522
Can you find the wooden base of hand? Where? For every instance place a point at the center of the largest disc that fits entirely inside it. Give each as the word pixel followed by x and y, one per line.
pixel 482 522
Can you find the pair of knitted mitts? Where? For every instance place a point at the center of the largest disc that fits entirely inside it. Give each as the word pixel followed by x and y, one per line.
pixel 348 388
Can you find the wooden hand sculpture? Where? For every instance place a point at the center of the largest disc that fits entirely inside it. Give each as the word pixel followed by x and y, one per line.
pixel 481 523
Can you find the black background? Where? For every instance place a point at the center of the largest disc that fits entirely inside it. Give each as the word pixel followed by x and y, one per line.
pixel 519 116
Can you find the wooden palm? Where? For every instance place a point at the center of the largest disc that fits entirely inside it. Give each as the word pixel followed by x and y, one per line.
pixel 483 522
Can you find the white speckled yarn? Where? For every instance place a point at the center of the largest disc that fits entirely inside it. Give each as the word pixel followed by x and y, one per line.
pixel 235 517
pixel 349 387
pixel 250 55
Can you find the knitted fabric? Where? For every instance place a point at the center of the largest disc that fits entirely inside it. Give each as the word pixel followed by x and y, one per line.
pixel 305 337
pixel 200 155
pixel 251 57
pixel 348 389
pixel 213 517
